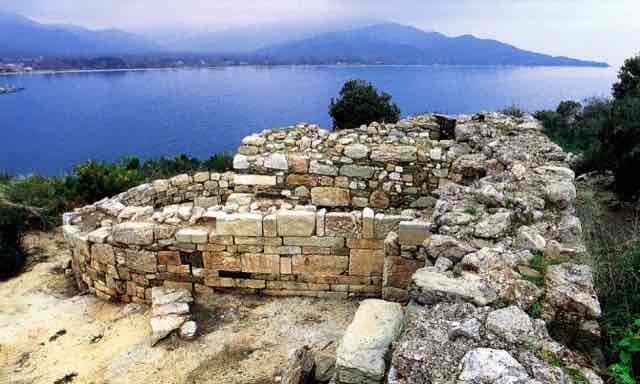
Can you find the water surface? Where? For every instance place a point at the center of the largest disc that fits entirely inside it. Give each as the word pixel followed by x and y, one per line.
pixel 62 119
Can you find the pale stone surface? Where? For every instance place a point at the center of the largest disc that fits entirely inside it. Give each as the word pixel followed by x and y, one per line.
pixel 240 162
pixel 192 235
pixel 363 349
pixel 132 233
pixel 529 238
pixel 414 232
pixel 162 326
pixel 255 180
pixel 276 161
pixel 394 153
pixel 189 330
pixel 356 151
pixel 360 171
pixel 260 263
pixel 449 247
pixel 430 287
pixel 300 367
pixel 330 197
pixel 342 224
pixel 368 223
pixel 366 262
pixel 562 194
pixel 296 223
pixel 511 324
pixel 170 310
pixel 100 235
pixel 485 365
pixel 569 293
pixel 318 168
pixel 493 226
pixel 240 224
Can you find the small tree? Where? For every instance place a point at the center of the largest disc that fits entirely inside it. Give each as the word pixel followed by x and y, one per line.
pixel 361 103
pixel 628 84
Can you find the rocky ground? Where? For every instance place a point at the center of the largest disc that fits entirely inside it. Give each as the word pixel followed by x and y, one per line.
pixel 49 334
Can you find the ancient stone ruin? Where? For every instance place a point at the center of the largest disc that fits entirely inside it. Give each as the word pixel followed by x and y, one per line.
pixel 470 219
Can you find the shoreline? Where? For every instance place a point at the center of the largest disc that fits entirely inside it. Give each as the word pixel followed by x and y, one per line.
pixel 77 71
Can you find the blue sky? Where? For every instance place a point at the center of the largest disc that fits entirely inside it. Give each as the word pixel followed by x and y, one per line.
pixel 589 29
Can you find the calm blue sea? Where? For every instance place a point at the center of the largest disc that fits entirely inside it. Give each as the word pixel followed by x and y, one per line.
pixel 62 119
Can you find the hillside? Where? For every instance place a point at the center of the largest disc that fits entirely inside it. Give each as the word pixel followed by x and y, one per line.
pixel 22 36
pixel 399 44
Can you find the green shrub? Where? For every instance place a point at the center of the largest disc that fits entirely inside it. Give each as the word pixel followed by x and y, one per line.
pixel 513 111
pixel 361 103
pixel 628 350
pixel 12 226
pixel 628 84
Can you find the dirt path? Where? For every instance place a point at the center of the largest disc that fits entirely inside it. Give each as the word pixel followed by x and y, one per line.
pixel 48 334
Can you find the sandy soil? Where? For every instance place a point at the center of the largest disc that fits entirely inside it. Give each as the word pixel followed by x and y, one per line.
pixel 49 334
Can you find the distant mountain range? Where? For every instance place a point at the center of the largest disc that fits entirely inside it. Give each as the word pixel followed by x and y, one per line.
pixel 385 43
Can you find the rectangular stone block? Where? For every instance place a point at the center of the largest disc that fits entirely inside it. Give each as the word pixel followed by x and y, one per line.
pixel 250 249
pixel 366 262
pixel 192 236
pixel 343 224
pixel 240 224
pixel 271 241
pixel 285 265
pixel 100 235
pixel 320 215
pixel 269 226
pixel 223 261
pixel 283 250
pixel 330 197
pixel 134 233
pixel 255 180
pixel 317 251
pixel 314 241
pixel 143 261
pixel 414 232
pixel 220 240
pixel 398 271
pixel 365 244
pixel 295 286
pixel 387 223
pixel 260 263
pixel 368 223
pixel 169 258
pixel 296 223
pixel 318 294
pixel 319 264
pixel 103 253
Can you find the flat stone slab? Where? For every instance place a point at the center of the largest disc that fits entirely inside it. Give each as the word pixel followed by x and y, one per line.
pixel 134 233
pixel 431 287
pixel 361 356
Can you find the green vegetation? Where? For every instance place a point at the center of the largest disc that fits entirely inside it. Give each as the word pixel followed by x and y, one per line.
pixel 38 202
pixel 628 346
pixel 513 111
pixel 361 103
pixel 605 131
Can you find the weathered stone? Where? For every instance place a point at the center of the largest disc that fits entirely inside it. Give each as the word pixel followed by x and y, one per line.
pixel 100 235
pixel 276 161
pixel 318 168
pixel 387 223
pixel 529 238
pixel 298 164
pixel 260 263
pixel 239 224
pixel 429 287
pixel 181 180
pixel 493 226
pixel 394 153
pixel 296 223
pixel 255 180
pixel 300 367
pixel 511 324
pixel 319 264
pixel 330 197
pixel 449 247
pixel 313 241
pixel 379 199
pixel 361 356
pixel 103 253
pixel 133 233
pixel 269 226
pixel 356 151
pixel 398 271
pixel 240 162
pixel 342 224
pixel 359 171
pixel 368 223
pixel 306 180
pixel 192 235
pixel 569 293
pixel 562 194
pixel 414 232
pixel 485 365
pixel 366 262
pixel 143 261
pixel 162 326
pixel 188 330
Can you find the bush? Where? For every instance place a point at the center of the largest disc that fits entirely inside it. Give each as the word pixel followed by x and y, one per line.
pixel 513 111
pixel 12 225
pixel 361 103
pixel 628 84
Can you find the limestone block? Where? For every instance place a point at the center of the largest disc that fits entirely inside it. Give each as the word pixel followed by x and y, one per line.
pixel 201 177
pixel 304 179
pixel 395 153
pixel 269 226
pixel 240 162
pixel 260 263
pixel 320 216
pixel 239 224
pixel 276 161
pixel 359 171
pixel 362 353
pixel 319 264
pixel 285 265
pixel 319 168
pixel 365 243
pixel 366 262
pixel 414 232
pixel 398 271
pixel 343 224
pixel 314 241
pixel 206 202
pixel 143 261
pixel 134 233
pixel 169 258
pixel 368 223
pixel 387 223
pixel 103 253
pixel 430 287
pixel 192 236
pixel 221 261
pixel 296 223
pixel 298 164
pixel 330 197
pixel 356 151
pixel 100 235
pixel 255 180
pixel 181 180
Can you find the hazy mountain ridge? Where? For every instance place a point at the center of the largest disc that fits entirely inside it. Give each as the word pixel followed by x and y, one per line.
pixel 386 43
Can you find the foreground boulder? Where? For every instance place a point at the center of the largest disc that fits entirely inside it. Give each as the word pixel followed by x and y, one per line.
pixel 362 354
pixel 170 311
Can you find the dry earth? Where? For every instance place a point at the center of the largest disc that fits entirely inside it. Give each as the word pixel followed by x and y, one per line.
pixel 50 334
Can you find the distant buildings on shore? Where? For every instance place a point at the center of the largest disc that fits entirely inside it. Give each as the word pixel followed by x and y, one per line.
pixel 14 68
